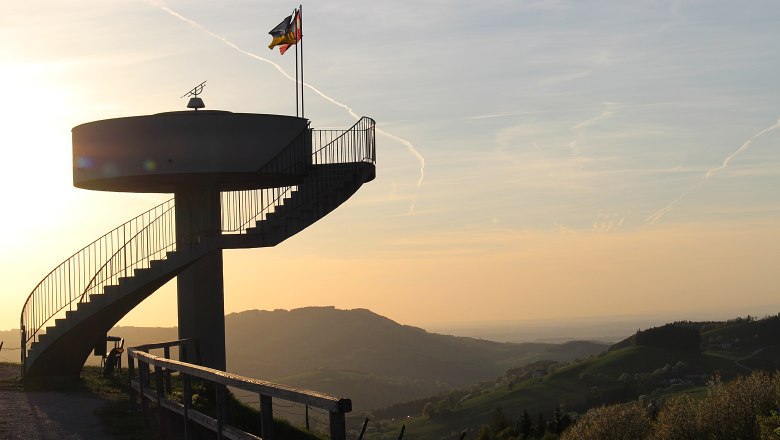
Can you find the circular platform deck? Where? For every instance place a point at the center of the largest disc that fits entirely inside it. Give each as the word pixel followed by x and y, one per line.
pixel 181 151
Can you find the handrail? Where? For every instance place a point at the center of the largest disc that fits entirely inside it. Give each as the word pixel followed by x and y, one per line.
pixel 354 145
pixel 267 391
pixel 150 235
pixel 65 284
pixel 162 239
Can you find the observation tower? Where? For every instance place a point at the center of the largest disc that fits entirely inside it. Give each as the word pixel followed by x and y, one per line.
pixel 239 180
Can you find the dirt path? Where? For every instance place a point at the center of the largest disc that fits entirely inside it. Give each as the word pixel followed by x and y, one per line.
pixel 47 415
pixel 739 361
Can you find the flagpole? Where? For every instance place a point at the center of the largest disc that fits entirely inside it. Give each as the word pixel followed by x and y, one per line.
pixel 296 80
pixel 300 11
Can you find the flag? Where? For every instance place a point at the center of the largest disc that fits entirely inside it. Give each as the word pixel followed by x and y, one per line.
pixel 296 29
pixel 282 33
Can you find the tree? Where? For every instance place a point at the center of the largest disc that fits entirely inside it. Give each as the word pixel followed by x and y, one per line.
pixel 524 425
pixel 428 410
pixel 540 427
pixel 559 421
pixel 485 433
pixel 498 423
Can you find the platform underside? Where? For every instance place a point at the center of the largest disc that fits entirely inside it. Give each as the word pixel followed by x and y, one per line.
pixel 172 183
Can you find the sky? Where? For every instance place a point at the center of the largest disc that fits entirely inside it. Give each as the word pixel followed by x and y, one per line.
pixel 554 160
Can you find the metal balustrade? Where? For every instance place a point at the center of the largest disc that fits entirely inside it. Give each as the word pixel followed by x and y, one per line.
pixel 241 209
pixel 68 283
pixel 151 236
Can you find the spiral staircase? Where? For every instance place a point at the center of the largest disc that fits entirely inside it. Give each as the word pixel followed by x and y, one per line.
pixel 70 311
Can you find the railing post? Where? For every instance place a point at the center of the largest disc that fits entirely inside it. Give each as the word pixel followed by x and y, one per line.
pixel 143 374
pixel 266 418
pixel 338 426
pixel 23 351
pixel 363 429
pixel 158 384
pixel 187 401
pixel 167 353
pixel 130 374
pixel 220 390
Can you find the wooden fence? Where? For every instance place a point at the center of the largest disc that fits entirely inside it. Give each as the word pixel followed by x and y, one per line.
pixel 140 386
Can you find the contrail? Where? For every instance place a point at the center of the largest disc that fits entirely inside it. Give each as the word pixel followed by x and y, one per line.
pixel 607 112
pixel 409 146
pixel 742 148
pixel 665 210
pixel 711 172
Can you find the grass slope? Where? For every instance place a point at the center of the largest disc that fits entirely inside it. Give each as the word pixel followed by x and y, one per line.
pixel 563 386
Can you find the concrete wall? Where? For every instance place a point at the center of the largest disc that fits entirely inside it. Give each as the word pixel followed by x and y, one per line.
pixel 167 152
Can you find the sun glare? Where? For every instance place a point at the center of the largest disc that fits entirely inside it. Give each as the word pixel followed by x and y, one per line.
pixel 36 148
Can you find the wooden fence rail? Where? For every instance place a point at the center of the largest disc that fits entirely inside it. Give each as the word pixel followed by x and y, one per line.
pixel 337 407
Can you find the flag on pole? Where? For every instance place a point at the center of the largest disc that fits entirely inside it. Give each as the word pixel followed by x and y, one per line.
pixel 282 33
pixel 296 28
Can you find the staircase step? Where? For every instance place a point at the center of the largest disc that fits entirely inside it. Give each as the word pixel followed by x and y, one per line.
pixel 140 272
pixel 111 290
pixel 125 280
pixel 86 305
pixel 97 298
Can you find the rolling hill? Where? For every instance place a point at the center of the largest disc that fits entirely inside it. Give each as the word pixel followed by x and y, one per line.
pixel 359 354
pixel 628 370
pixel 369 358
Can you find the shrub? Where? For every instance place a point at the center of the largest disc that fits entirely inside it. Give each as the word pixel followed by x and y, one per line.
pixel 615 422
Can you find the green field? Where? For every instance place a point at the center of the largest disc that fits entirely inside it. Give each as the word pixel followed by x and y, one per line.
pixel 573 386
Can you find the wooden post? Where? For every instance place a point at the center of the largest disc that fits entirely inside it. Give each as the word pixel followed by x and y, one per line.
pixel 220 390
pixel 130 374
pixel 143 373
pixel 363 430
pixel 307 418
pixel 23 351
pixel 167 354
pixel 158 383
pixel 338 426
pixel 266 418
pixel 187 397
pixel 401 435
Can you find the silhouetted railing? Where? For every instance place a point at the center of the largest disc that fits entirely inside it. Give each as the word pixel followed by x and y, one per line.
pixel 356 144
pixel 68 283
pixel 242 209
pixel 160 393
pixel 151 235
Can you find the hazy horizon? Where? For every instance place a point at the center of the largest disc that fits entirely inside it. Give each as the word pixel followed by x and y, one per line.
pixel 540 159
pixel 612 328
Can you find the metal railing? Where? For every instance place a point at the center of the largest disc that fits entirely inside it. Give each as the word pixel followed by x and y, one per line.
pixel 141 386
pixel 241 209
pixel 68 283
pixel 151 235
pixel 353 145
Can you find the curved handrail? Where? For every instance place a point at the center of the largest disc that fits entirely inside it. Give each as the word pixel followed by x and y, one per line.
pixel 153 233
pixel 155 240
pixel 65 284
pixel 353 145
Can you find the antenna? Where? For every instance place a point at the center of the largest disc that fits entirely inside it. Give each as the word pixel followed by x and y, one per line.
pixel 196 91
pixel 195 102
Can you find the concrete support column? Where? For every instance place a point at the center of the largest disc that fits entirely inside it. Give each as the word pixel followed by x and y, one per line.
pixel 200 288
